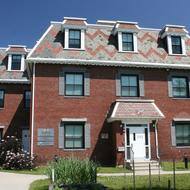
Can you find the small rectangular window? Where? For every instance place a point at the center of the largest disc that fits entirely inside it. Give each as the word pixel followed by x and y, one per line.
pixel 16 62
pixel 176 45
pixel 1 134
pixel 129 86
pixel 74 39
pixel 27 98
pixel 74 84
pixel 180 87
pixel 182 134
pixel 127 42
pixel 2 94
pixel 146 136
pixel 74 136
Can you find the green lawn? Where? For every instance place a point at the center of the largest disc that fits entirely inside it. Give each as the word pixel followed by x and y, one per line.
pixel 142 182
pixel 113 170
pixel 36 171
pixel 179 166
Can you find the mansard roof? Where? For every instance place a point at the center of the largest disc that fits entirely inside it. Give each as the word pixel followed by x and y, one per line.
pixel 12 76
pixel 101 46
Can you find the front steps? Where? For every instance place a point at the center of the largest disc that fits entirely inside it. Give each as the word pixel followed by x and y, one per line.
pixel 144 165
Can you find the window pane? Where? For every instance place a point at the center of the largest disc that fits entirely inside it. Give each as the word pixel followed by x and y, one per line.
pixel 133 81
pixel 1 98
pixel 1 94
pixel 74 38
pixel 176 45
pixel 125 91
pixel 180 87
pixel 133 91
pixel 74 136
pixel 183 135
pixel 16 62
pixel 74 84
pixel 127 37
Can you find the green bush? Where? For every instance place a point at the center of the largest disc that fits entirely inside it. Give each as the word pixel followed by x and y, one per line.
pixel 73 171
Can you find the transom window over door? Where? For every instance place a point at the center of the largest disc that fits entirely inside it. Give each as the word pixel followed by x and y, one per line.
pixel 176 45
pixel 74 84
pixel 74 136
pixel 182 134
pixel 180 87
pixel 74 39
pixel 2 98
pixel 16 62
pixel 129 86
pixel 127 42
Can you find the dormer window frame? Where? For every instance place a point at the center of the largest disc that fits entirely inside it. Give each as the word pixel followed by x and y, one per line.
pixel 82 38
pixel 22 63
pixel 120 41
pixel 169 44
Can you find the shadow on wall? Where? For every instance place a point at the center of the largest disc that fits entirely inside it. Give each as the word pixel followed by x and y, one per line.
pixel 20 118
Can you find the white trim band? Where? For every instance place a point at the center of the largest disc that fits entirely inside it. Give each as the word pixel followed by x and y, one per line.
pixel 74 119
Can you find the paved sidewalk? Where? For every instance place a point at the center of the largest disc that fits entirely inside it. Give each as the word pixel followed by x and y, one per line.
pixel 143 173
pixel 12 181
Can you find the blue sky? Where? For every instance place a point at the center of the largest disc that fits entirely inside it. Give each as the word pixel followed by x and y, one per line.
pixel 23 21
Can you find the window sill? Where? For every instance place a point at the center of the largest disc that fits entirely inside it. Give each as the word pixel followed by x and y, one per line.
pixel 71 150
pixel 14 71
pixel 74 49
pixel 181 98
pixel 130 97
pixel 182 55
pixel 74 96
pixel 132 52
pixel 2 108
pixel 182 147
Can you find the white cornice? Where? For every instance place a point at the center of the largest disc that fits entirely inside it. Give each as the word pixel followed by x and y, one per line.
pixel 108 63
pixel 75 18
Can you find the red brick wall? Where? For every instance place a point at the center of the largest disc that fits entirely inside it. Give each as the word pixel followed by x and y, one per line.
pixel 50 108
pixel 14 116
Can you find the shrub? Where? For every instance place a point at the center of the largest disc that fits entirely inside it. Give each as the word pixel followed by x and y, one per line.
pixel 73 171
pixel 12 156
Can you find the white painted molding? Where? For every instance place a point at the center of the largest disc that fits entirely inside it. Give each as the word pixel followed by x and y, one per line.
pixel 109 63
pixel 75 18
pixel 22 63
pixel 2 127
pixel 183 45
pixel 169 45
pixel 182 119
pixel 83 39
pixel 74 119
pixel 135 100
pixel 135 42
pixel 66 45
pixel 120 41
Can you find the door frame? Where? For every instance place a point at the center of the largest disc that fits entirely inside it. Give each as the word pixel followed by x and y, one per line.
pixel 127 146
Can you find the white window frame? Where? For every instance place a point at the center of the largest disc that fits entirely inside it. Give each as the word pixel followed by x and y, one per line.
pixel 82 37
pixel 120 46
pixel 169 44
pixel 10 61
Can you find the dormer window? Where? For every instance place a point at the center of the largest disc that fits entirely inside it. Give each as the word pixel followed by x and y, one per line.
pixel 16 57
pixel 74 33
pixel 127 36
pixel 176 45
pixel 127 42
pixel 74 38
pixel 175 36
pixel 16 62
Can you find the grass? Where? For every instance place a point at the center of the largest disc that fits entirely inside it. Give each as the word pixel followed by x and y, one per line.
pixel 142 182
pixel 113 170
pixel 40 184
pixel 179 166
pixel 36 171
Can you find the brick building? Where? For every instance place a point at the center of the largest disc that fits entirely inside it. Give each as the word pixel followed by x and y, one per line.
pixel 100 91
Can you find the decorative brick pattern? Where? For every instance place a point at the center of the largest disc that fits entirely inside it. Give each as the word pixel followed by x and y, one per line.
pixel 98 32
pixel 48 45
pixel 145 36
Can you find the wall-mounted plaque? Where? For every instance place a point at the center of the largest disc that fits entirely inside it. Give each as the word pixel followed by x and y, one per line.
pixel 45 137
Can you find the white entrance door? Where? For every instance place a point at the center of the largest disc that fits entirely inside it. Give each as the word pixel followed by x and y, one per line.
pixel 137 142
pixel 25 139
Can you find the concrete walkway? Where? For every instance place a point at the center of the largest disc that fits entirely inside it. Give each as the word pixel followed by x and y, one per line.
pixel 143 173
pixel 11 181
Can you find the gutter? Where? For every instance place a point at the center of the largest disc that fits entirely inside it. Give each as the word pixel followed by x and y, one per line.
pixel 33 95
pixel 156 134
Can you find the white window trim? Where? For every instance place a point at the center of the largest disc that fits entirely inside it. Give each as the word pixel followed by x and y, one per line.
pixel 120 47
pixel 10 61
pixel 82 37
pixel 169 44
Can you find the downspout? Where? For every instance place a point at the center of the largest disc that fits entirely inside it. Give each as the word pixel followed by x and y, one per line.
pixel 33 94
pixel 156 134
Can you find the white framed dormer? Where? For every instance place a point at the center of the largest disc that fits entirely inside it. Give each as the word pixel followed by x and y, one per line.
pixel 16 59
pixel 127 36
pixel 175 40
pixel 74 29
pixel 79 34
pixel 132 38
